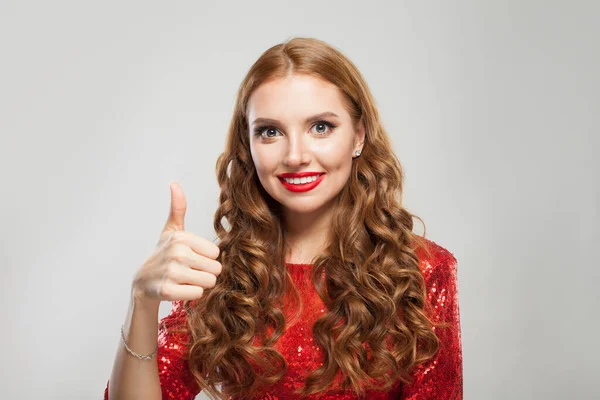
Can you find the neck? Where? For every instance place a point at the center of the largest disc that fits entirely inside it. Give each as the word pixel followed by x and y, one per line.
pixel 306 234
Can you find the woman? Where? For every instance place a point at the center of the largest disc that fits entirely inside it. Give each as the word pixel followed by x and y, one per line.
pixel 318 286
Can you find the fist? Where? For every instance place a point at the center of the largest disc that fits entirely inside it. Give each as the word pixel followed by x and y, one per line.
pixel 182 265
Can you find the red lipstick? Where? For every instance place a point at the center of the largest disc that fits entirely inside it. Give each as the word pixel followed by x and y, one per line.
pixel 303 187
pixel 298 174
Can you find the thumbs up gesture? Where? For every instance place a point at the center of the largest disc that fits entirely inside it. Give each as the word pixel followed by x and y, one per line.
pixel 182 265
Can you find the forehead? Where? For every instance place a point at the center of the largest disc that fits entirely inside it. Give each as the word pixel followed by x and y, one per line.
pixel 295 96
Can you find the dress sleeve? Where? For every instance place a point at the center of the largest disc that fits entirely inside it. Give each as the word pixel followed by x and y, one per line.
pixel 176 380
pixel 441 377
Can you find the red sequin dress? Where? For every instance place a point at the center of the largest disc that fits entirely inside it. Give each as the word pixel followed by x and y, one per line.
pixel 439 378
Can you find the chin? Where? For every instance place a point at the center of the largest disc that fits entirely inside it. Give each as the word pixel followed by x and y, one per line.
pixel 302 209
pixel 305 205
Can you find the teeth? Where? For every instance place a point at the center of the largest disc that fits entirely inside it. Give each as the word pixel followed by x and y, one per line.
pixel 300 181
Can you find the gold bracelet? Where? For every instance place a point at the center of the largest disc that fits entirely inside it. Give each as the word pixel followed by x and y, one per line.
pixel 141 357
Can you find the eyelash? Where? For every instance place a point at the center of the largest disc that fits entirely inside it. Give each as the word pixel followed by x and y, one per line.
pixel 260 129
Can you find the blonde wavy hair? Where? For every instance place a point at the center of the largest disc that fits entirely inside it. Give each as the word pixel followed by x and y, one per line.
pixel 368 277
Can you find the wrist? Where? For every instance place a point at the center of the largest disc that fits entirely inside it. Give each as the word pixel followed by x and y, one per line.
pixel 140 300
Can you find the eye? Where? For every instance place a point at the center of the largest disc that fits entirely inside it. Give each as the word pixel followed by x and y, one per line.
pixel 259 130
pixel 322 126
pixel 266 130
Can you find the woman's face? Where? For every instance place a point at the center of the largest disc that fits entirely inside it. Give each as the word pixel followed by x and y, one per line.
pixel 299 124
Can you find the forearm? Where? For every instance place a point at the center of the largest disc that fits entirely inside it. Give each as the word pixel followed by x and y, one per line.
pixel 131 377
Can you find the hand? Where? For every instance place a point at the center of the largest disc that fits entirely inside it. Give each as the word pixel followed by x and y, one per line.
pixel 182 265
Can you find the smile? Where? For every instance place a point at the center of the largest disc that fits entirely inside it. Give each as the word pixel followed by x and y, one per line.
pixel 302 184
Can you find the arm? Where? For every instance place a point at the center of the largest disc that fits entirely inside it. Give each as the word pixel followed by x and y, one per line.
pixel 166 375
pixel 441 377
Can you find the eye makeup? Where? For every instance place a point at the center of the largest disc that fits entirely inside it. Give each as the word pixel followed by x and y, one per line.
pixel 260 129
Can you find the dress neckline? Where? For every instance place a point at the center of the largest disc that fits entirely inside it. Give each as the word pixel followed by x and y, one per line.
pixel 299 266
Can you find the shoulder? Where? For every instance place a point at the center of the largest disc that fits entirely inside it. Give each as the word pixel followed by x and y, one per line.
pixel 436 260
pixel 439 268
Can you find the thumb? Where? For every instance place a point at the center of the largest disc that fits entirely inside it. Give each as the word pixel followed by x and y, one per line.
pixel 175 222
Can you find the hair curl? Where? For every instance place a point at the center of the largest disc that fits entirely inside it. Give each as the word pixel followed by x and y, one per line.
pixel 369 276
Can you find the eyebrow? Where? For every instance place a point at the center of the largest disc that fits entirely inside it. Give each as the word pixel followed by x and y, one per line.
pixel 313 118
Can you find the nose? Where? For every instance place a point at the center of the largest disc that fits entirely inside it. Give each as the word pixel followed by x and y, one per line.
pixel 298 151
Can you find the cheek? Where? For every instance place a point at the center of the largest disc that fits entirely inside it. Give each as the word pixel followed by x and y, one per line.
pixel 335 157
pixel 264 161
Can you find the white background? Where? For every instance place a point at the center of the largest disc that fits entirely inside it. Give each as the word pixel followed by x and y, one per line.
pixel 492 108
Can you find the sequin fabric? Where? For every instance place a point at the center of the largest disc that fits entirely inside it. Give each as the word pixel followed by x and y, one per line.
pixel 439 378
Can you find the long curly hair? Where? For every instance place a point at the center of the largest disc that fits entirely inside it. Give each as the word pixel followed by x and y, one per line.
pixel 368 277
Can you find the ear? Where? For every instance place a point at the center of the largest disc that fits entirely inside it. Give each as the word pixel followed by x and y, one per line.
pixel 359 137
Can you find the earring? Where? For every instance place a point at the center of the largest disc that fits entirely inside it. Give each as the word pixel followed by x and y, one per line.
pixel 357 153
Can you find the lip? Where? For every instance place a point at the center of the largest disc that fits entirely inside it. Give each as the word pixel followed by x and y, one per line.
pixel 303 187
pixel 299 174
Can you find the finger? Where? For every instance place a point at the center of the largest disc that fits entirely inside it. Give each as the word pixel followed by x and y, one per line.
pixel 198 244
pixel 204 247
pixel 201 263
pixel 175 222
pixel 182 292
pixel 184 255
pixel 189 276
